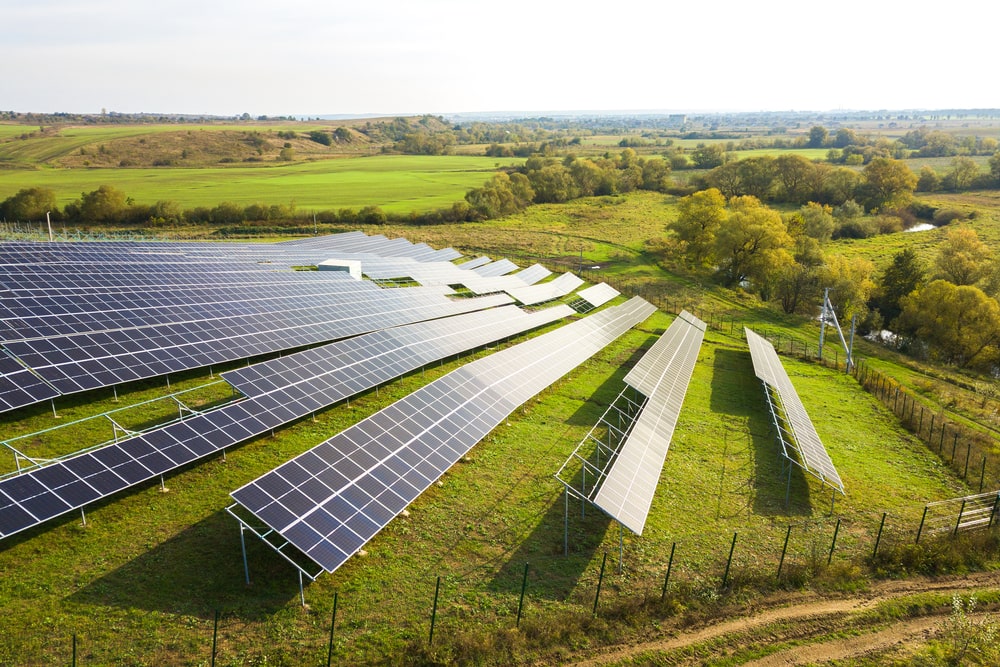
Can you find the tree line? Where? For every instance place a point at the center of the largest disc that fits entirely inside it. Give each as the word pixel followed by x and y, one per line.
pixel 947 311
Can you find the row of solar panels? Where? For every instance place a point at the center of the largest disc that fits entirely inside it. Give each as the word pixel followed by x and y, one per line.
pixel 80 340
pixel 279 391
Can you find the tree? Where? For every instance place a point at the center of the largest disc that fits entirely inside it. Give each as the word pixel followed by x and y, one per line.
pixel 851 285
pixel 902 277
pixel 887 184
pixel 106 204
pixel 817 136
pixel 497 197
pixel 699 217
pixel 995 166
pixel 963 173
pixel 817 221
pixel 321 137
pixel 751 241
pixel 797 282
pixel 962 258
pixel 708 156
pixel 794 175
pixel 928 181
pixel 29 204
pixel 959 324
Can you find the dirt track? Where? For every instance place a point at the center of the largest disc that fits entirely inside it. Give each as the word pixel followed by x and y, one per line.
pixel 801 616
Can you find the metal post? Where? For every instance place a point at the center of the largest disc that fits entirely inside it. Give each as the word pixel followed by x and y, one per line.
pixel 566 526
pixel 968 453
pixel 243 546
pixel 878 538
pixel 524 585
pixel 941 441
pixel 333 624
pixel 921 528
pixel 732 548
pixel 83 517
pixel 783 550
pixel 822 322
pixel 302 590
pixel 954 446
pixel 621 546
pixel 434 611
pixel 996 501
pixel 670 565
pixel 833 544
pixel 960 513
pixel 920 425
pixel 583 487
pixel 982 475
pixel 600 580
pixel 74 650
pixel 215 636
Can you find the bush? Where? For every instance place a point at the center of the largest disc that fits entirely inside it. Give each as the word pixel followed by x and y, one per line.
pixel 857 228
pixel 946 216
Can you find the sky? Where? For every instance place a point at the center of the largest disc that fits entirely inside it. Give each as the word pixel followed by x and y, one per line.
pixel 324 57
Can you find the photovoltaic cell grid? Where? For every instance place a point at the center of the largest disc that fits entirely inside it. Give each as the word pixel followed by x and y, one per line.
pixel 312 380
pixel 812 455
pixel 89 361
pixel 598 295
pixel 663 375
pixel 542 292
pixel 331 500
pixel 19 386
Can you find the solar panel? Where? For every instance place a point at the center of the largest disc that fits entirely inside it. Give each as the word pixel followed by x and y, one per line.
pixel 20 387
pixel 332 499
pixel 547 291
pixel 297 385
pixel 665 372
pixel 598 295
pixel 812 455
pixel 497 268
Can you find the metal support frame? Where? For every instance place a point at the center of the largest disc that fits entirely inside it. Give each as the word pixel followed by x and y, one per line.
pixel 596 455
pixel 263 534
pixel 117 429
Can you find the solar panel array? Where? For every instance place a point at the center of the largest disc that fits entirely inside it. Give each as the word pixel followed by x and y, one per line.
pixel 662 375
pixel 329 501
pixel 812 455
pixel 281 391
pixel 79 316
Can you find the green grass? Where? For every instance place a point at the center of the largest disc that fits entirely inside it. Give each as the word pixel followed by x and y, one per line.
pixel 395 183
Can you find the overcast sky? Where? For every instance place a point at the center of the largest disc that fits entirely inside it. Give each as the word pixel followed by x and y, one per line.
pixel 313 57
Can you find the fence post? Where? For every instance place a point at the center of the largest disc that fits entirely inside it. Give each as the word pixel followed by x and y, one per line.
pixel 333 624
pixel 982 475
pixel 215 636
pixel 783 550
pixel 829 559
pixel 878 538
pixel 434 610
pixel 993 511
pixel 954 447
pixel 732 548
pixel 74 649
pixel 524 585
pixel 921 528
pixel 666 579
pixel 960 513
pixel 968 453
pixel 920 426
pixel 600 580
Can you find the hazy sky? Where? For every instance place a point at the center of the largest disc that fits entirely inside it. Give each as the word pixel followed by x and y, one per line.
pixel 311 57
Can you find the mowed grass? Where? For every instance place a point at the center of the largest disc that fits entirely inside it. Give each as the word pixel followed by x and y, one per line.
pixel 393 182
pixel 140 584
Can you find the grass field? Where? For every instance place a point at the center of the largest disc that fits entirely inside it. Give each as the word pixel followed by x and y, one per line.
pixel 140 583
pixel 394 182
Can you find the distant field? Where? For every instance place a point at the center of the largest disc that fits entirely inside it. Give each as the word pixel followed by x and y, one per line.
pixel 393 182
